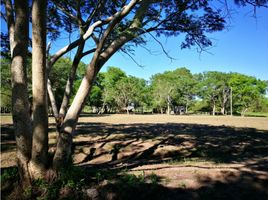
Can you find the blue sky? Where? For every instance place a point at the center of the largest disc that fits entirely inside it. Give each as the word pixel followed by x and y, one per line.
pixel 242 48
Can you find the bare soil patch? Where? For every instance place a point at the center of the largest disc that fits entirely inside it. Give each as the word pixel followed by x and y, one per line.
pixel 185 157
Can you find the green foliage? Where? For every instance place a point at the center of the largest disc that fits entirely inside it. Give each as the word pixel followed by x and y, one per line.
pixel 130 180
pixel 9 174
pixel 5 94
pixel 198 92
pixel 71 178
pixel 246 91
pixel 177 86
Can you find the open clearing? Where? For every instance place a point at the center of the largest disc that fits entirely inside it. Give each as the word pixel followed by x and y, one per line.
pixel 185 157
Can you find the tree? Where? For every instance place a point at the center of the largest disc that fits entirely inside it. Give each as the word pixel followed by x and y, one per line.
pixel 163 89
pixel 214 89
pixel 111 77
pixel 246 91
pixel 112 26
pixel 185 87
pixel 18 29
pixel 129 90
pixel 173 88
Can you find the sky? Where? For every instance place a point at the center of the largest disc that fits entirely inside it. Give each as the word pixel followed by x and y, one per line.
pixel 243 48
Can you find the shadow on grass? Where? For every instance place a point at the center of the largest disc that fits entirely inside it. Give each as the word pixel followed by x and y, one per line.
pixel 131 145
pixel 246 186
pixel 7 138
pixel 155 143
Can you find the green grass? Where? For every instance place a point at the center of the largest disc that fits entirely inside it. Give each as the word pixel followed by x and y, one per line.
pixel 256 114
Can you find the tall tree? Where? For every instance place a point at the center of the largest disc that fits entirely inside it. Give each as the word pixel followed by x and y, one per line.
pixel 246 91
pixel 112 27
pixel 211 88
pixel 18 30
pixel 39 157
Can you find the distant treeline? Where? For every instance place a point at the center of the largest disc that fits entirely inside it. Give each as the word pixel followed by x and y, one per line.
pixel 171 92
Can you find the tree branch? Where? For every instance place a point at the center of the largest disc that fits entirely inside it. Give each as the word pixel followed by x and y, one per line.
pixel 10 24
pixel 132 58
pixel 88 52
pixel 3 16
pixel 67 13
pixel 74 44
pixel 90 18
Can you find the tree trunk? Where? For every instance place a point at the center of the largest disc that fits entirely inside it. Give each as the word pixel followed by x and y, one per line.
pixel 18 34
pixel 223 110
pixel 63 151
pixel 214 109
pixel 243 112
pixel 71 78
pixel 168 105
pixel 39 158
pixel 52 100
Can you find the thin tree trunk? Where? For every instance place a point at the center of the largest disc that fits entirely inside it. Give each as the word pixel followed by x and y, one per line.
pixel 243 112
pixel 214 109
pixel 39 158
pixel 63 151
pixel 18 34
pixel 168 105
pixel 71 78
pixel 52 99
pixel 222 110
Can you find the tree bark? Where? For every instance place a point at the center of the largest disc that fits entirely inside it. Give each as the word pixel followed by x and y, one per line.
pixel 63 152
pixel 70 81
pixel 52 99
pixel 223 110
pixel 39 158
pixel 213 109
pixel 18 35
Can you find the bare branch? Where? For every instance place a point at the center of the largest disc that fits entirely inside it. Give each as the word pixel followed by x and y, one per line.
pixel 95 38
pixel 88 52
pixel 3 16
pixel 10 23
pixel 132 58
pixel 74 44
pixel 67 13
pixel 48 48
pixel 97 7
pixel 154 53
pixel 115 19
pixel 161 45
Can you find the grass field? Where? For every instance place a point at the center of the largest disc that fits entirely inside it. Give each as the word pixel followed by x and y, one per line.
pixel 166 157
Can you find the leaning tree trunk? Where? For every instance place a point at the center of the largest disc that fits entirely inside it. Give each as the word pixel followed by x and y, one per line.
pixel 70 81
pixel 18 34
pixel 63 151
pixel 39 158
